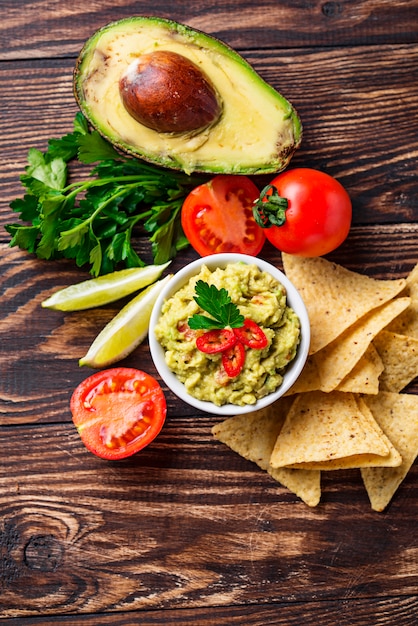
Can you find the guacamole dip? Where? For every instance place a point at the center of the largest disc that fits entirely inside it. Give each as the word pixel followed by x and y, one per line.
pixel 259 297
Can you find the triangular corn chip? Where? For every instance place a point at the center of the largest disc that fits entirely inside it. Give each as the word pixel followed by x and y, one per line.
pixel 399 355
pixel 337 359
pixel 335 297
pixel 407 322
pixel 397 415
pixel 304 483
pixel 308 380
pixel 253 436
pixel 364 377
pixel 330 431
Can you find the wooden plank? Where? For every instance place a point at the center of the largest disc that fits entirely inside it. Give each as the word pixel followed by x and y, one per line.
pixel 55 341
pixel 400 610
pixel 45 28
pixel 394 609
pixel 186 524
pixel 188 532
pixel 361 131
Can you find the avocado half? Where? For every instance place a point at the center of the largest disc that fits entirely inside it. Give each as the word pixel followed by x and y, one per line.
pixel 254 129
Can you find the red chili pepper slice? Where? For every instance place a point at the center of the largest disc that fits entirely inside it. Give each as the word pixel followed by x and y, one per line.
pixel 233 359
pixel 251 335
pixel 216 340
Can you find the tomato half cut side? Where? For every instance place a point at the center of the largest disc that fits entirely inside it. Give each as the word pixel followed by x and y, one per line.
pixel 216 340
pixel 118 411
pixel 233 359
pixel 217 216
pixel 251 335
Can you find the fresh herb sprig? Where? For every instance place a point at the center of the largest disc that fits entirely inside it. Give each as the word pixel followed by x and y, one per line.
pixel 218 303
pixel 92 220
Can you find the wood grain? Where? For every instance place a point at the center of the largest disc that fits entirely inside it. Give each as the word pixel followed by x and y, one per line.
pixel 59 28
pixel 386 612
pixel 188 532
pixel 92 536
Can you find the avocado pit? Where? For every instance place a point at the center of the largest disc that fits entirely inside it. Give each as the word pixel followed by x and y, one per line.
pixel 168 93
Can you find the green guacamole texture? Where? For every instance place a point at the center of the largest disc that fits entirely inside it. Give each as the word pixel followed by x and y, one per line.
pixel 260 297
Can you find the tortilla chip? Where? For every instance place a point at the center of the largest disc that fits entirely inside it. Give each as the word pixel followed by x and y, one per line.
pixel 399 355
pixel 253 436
pixel 329 431
pixel 304 483
pixel 337 359
pixel 407 322
pixel 397 415
pixel 334 296
pixel 308 380
pixel 364 377
pixel 412 278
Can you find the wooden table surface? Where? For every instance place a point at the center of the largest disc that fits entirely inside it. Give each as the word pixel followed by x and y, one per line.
pixel 188 532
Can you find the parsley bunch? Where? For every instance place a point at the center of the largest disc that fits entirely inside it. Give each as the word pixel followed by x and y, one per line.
pixel 92 220
pixel 218 303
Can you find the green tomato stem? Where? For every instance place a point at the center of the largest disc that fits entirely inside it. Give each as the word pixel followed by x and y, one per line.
pixel 270 208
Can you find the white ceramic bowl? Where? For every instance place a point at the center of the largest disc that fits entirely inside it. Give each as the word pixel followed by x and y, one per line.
pixel 181 278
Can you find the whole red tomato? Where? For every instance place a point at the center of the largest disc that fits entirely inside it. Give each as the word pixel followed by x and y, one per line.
pixel 305 212
pixel 217 216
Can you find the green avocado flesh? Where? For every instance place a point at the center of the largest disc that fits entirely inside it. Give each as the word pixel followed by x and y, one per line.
pixel 256 132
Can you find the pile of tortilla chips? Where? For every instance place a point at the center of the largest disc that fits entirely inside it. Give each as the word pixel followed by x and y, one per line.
pixel 346 410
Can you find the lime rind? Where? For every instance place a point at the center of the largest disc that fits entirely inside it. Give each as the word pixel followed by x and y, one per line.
pixel 126 330
pixel 105 289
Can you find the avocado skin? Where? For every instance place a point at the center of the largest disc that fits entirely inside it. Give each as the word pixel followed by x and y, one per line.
pixel 191 153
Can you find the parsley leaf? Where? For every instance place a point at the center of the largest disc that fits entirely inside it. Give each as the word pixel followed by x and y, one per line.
pixel 92 220
pixel 92 148
pixel 52 172
pixel 218 303
pixel 24 236
pixel 80 124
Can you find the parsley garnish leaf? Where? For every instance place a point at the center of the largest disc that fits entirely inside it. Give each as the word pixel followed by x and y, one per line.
pixel 218 303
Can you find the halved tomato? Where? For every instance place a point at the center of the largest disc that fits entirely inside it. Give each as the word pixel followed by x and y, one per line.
pixel 218 217
pixel 118 411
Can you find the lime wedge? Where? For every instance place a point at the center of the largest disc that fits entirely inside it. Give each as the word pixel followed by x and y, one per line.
pixel 126 330
pixel 104 289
